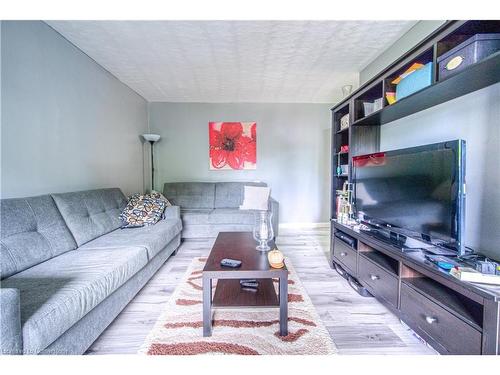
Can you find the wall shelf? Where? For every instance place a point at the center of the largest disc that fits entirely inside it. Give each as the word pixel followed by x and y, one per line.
pixel 464 317
pixel 363 134
pixel 472 78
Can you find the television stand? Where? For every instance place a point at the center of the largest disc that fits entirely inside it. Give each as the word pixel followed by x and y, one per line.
pixel 437 250
pixel 392 238
pixel 406 244
pixel 453 316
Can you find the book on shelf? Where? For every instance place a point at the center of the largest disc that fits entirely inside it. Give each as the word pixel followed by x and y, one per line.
pixel 473 276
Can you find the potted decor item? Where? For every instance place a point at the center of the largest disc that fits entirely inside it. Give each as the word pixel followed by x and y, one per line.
pixel 276 258
pixel 263 229
pixel 344 122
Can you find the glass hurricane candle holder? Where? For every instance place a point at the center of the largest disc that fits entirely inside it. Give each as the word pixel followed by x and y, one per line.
pixel 263 230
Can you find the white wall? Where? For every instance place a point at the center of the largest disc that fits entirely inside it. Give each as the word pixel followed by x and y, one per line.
pixel 292 151
pixel 67 124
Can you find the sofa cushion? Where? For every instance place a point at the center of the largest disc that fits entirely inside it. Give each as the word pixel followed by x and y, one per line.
pixel 231 216
pixel 172 212
pixel 194 216
pixel 190 194
pixel 92 213
pixel 57 293
pixel 256 198
pixel 143 210
pixel 32 231
pixel 153 238
pixel 230 194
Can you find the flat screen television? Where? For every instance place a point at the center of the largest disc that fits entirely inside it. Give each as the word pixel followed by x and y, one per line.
pixel 415 192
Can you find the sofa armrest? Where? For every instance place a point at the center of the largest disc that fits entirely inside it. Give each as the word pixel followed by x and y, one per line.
pixel 274 207
pixel 172 212
pixel 11 337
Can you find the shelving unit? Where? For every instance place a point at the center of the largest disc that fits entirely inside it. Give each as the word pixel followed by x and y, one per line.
pixel 370 96
pixel 455 317
pixel 340 137
pixel 472 78
pixel 363 134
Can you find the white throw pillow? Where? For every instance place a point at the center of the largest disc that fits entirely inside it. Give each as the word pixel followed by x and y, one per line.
pixel 256 198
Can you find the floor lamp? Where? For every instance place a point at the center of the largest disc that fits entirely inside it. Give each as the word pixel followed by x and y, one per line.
pixel 152 139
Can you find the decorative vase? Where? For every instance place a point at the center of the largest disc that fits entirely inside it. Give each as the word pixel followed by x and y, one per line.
pixel 346 90
pixel 263 229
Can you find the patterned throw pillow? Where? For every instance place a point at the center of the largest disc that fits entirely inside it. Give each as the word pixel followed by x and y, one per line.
pixel 143 210
pixel 160 196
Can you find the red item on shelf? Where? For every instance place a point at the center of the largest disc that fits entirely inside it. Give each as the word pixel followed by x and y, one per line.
pixel 377 158
pixel 344 148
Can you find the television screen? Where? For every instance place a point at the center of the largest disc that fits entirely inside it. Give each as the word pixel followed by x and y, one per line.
pixel 418 191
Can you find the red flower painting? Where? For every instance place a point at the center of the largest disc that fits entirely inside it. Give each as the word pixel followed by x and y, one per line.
pixel 233 145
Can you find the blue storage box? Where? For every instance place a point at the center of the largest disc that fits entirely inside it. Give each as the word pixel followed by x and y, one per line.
pixel 414 82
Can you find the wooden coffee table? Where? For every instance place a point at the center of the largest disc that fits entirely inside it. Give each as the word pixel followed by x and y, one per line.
pixel 228 293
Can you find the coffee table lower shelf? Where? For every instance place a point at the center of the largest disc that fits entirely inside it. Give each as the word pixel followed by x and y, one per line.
pixel 228 294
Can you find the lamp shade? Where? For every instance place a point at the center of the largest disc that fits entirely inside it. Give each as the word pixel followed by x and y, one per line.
pixel 151 137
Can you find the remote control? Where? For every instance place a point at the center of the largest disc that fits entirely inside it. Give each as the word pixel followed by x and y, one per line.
pixel 233 263
pixel 248 281
pixel 249 289
pixel 250 285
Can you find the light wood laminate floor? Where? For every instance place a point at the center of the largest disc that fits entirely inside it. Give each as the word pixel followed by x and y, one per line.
pixel 357 325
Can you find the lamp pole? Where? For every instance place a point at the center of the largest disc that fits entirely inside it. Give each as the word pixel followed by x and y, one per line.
pixel 152 166
pixel 152 138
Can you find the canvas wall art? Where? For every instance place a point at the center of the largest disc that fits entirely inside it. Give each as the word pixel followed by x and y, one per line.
pixel 232 145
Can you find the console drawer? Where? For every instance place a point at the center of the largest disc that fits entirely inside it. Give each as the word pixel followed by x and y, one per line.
pixel 378 281
pixel 454 335
pixel 345 255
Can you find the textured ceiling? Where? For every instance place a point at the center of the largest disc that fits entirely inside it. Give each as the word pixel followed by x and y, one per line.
pixel 234 61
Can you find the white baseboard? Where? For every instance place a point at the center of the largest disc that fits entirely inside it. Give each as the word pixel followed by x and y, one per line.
pixel 303 225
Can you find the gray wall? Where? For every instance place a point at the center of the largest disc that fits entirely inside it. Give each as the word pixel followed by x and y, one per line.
pixel 67 124
pixel 410 39
pixel 292 151
pixel 476 119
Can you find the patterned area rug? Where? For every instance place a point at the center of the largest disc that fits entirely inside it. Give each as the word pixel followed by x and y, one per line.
pixel 179 330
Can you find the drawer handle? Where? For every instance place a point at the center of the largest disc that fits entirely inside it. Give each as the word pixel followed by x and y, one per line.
pixel 342 254
pixel 430 319
pixel 374 277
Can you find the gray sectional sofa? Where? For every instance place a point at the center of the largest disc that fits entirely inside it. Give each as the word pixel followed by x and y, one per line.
pixel 67 269
pixel 208 208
